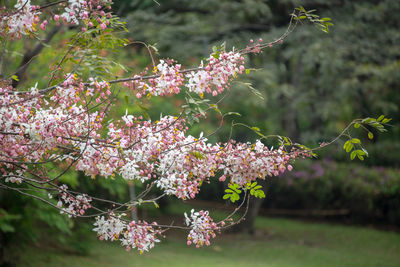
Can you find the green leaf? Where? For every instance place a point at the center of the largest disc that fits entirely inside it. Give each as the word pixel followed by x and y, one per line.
pixel 7 228
pixel 255 129
pixel 353 155
pixel 356 141
pixel 381 117
pixel 360 152
pixel 356 125
pixel 301 8
pixel 233 113
pixel 196 154
pixel 370 135
pixel 15 77
pixel 238 191
pixel 215 107
pixel 349 147
pixel 368 120
pixel 234 197
pixel 345 145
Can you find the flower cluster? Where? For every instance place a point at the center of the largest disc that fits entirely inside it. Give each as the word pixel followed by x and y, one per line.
pixel 110 228
pixel 245 162
pixel 73 9
pixel 77 10
pixel 202 228
pixel 140 235
pixel 134 148
pixel 162 150
pixel 75 205
pixel 168 82
pixel 33 130
pixel 215 76
pixel 22 20
pixel 13 177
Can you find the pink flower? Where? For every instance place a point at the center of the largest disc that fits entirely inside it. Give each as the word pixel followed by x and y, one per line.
pixel 103 26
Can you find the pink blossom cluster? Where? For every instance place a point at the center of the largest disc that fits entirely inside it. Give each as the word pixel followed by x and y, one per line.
pixel 202 226
pixel 213 78
pixel 77 10
pixel 216 75
pixel 245 162
pixel 74 10
pixel 15 137
pixel 34 130
pixel 70 204
pixel 14 176
pixel 161 151
pixel 140 235
pixel 168 82
pixel 22 20
pixel 179 163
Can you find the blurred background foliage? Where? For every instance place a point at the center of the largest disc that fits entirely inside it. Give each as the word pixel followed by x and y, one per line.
pixel 312 85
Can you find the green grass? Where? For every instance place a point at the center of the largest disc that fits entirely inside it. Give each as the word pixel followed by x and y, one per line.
pixel 278 242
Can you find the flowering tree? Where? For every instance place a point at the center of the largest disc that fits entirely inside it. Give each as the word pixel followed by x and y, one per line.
pixel 68 124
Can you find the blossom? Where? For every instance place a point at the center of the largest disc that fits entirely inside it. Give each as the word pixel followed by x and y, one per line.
pixel 215 76
pixel 202 228
pixel 140 235
pixel 22 21
pixel 73 11
pixel 109 229
pixel 75 205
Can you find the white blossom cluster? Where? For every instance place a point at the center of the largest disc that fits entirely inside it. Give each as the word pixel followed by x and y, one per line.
pixel 215 76
pixel 22 20
pixel 110 228
pixel 72 205
pixel 139 235
pixel 74 11
pixel 202 228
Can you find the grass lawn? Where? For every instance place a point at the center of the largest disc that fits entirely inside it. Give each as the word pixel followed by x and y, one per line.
pixel 278 242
